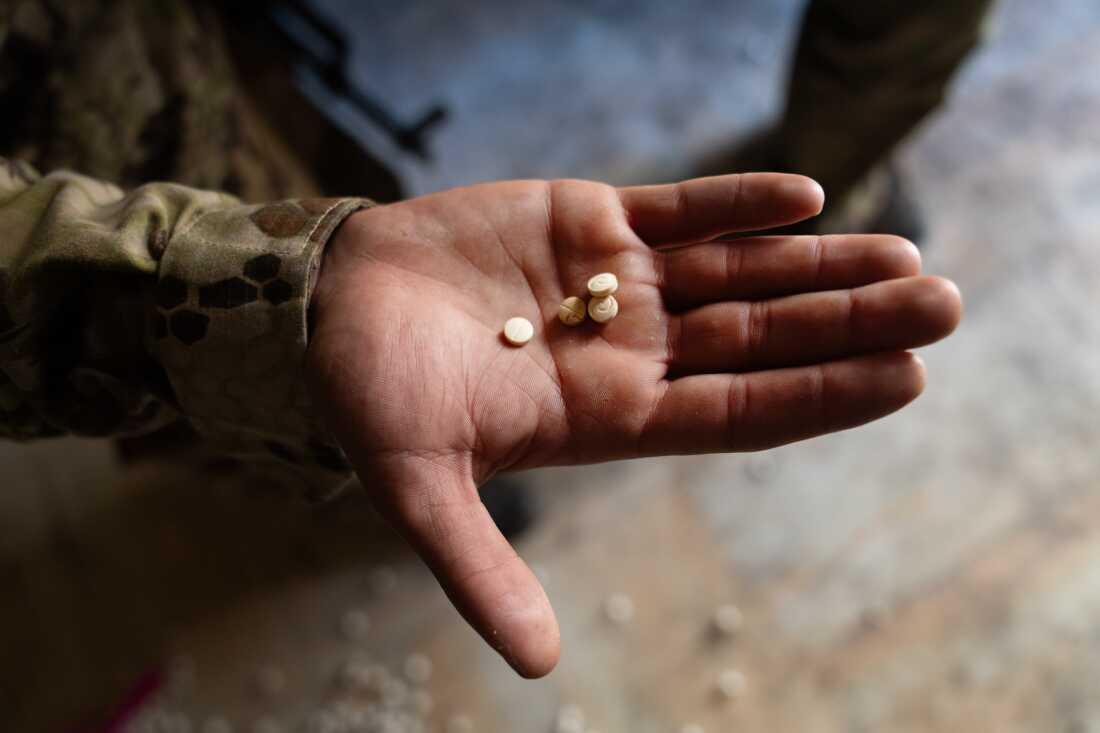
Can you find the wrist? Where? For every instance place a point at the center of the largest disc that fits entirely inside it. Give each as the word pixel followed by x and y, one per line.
pixel 344 239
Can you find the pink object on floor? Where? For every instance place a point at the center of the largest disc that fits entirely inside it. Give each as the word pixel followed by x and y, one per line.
pixel 132 703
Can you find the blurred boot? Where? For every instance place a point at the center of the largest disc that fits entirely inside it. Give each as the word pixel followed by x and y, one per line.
pixel 510 504
pixel 865 74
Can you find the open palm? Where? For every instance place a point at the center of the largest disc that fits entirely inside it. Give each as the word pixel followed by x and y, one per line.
pixel 718 346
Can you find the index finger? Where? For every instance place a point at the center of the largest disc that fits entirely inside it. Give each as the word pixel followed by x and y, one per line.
pixel 704 208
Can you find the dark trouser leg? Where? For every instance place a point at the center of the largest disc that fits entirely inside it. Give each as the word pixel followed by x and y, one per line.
pixel 865 73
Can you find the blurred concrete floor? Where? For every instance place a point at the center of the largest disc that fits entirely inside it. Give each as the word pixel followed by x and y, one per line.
pixel 936 571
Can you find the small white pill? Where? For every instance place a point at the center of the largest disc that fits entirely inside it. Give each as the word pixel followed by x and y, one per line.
pixel 603 310
pixel 732 684
pixel 418 668
pixel 619 608
pixel 572 310
pixel 602 285
pixel 518 331
pixel 728 619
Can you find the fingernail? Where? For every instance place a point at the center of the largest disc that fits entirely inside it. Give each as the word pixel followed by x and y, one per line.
pixel 820 193
pixel 802 187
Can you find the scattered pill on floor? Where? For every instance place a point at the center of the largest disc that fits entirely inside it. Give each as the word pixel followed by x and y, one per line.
pixel 619 608
pixel 363 676
pixel 382 580
pixel 732 684
pixel 418 668
pixel 728 619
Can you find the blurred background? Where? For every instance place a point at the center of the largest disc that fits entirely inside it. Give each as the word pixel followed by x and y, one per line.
pixel 938 570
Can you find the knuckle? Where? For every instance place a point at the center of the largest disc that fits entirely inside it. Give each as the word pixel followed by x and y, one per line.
pixel 737 408
pixel 756 330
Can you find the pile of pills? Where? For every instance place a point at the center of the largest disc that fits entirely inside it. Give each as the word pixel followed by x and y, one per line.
pixel 601 308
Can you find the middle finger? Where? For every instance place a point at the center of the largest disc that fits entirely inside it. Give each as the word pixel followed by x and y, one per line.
pixel 812 327
pixel 767 267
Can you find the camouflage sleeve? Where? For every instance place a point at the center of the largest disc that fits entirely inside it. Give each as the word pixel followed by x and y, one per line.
pixel 121 312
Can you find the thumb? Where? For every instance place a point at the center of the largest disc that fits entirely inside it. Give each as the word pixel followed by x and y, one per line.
pixel 440 513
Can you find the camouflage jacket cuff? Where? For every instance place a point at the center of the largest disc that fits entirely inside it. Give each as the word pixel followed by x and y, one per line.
pixel 230 330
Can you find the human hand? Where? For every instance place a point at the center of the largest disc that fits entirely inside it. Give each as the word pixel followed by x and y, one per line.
pixel 718 346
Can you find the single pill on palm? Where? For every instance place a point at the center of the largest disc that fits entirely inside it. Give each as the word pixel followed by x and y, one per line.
pixel 602 285
pixel 572 310
pixel 603 310
pixel 518 331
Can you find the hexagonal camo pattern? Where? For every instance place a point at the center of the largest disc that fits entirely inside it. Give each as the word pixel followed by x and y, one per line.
pixel 119 313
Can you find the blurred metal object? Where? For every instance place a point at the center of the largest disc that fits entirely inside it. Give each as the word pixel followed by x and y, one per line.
pixel 321 49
